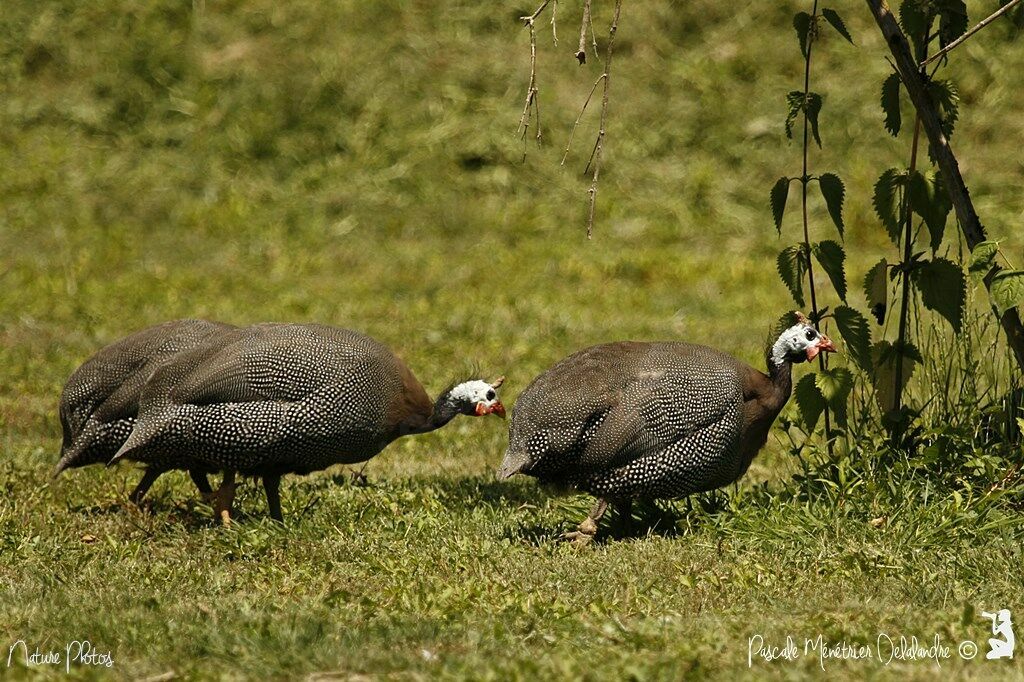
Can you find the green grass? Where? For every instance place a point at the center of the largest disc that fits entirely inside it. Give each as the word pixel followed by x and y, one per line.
pixel 355 164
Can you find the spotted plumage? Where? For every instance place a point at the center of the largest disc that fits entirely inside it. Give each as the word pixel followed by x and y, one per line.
pixel 100 400
pixel 273 399
pixel 654 420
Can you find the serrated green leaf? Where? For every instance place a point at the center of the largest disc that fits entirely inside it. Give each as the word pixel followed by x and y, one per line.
pixel 1007 290
pixel 876 290
pixel 779 194
pixel 1016 18
pixel 834 192
pixel 853 327
pixel 883 355
pixel 891 104
pixel 952 21
pixel 810 401
pixel 792 266
pixel 947 103
pixel 835 384
pixel 785 321
pixel 831 256
pixel 983 257
pixel 802 24
pixel 888 202
pixel 929 199
pixel 916 19
pixel 794 104
pixel 833 18
pixel 943 289
pixel 813 108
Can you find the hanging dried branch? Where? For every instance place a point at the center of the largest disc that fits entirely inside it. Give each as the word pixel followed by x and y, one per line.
pixel 554 28
pixel 531 109
pixel 583 110
pixel 599 144
pixel 581 53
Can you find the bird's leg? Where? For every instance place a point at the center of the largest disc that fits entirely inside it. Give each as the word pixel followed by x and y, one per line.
pixel 358 477
pixel 588 528
pixel 272 486
pixel 224 497
pixel 144 485
pixel 625 509
pixel 203 483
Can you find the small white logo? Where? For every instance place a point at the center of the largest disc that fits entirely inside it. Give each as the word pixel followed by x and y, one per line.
pixel 1001 626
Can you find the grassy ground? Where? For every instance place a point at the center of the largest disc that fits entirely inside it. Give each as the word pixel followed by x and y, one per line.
pixel 355 164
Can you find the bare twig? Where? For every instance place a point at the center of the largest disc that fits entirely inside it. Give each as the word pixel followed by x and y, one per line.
pixel 982 24
pixel 554 28
pixel 970 224
pixel 531 89
pixel 598 147
pixel 581 54
pixel 530 19
pixel 578 118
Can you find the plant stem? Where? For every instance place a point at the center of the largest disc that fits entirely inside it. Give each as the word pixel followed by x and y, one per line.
pixel 804 181
pixel 908 237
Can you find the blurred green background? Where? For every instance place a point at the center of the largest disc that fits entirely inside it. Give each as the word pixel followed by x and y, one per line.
pixel 356 164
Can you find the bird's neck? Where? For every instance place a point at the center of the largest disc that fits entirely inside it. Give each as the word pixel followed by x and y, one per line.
pixel 780 371
pixel 444 411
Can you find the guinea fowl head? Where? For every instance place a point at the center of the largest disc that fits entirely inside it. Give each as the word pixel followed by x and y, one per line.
pixel 801 342
pixel 475 398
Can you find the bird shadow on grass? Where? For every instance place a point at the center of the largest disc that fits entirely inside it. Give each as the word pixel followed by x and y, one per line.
pixel 647 518
pixel 476 490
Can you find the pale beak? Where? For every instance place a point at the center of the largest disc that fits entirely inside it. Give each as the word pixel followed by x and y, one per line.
pixel 824 345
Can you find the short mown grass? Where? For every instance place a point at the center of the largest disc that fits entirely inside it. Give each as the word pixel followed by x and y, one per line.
pixel 355 164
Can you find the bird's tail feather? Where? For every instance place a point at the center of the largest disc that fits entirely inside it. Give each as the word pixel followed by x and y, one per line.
pixel 135 441
pixel 69 456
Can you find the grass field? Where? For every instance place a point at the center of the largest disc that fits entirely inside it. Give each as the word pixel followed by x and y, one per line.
pixel 355 164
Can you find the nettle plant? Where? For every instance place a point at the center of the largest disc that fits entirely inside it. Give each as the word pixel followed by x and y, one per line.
pixel 912 204
pixel 824 393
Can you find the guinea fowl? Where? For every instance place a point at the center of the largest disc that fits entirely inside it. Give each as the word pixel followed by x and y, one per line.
pixel 652 420
pixel 100 401
pixel 274 399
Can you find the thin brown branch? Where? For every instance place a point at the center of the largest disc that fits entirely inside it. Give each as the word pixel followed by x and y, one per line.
pixel 533 17
pixel 982 24
pixel 554 28
pixel 598 148
pixel 531 103
pixel 959 196
pixel 581 53
pixel 578 118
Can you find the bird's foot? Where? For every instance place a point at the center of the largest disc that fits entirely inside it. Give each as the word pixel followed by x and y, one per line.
pixel 358 478
pixel 577 537
pixel 224 498
pixel 583 535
